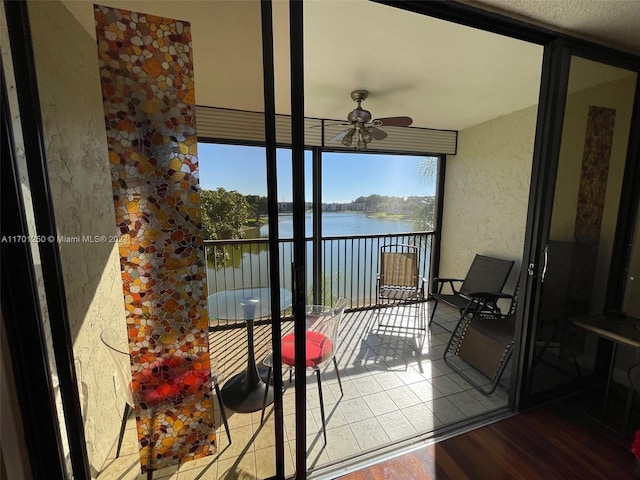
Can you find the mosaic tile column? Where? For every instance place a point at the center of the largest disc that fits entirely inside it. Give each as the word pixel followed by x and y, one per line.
pixel 146 73
pixel 592 192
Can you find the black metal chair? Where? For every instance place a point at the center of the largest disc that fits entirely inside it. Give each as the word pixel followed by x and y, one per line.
pixel 480 290
pixel 399 281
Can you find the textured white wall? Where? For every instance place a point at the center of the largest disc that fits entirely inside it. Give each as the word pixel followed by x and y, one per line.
pixel 75 140
pixel 487 192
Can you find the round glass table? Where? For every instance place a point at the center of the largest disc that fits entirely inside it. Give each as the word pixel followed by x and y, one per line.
pixel 244 392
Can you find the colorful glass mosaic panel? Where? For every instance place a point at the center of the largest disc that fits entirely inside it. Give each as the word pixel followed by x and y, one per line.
pixel 146 73
pixel 595 173
pixel 592 192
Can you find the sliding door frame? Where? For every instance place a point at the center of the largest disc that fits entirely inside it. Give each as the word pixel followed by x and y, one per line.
pixel 23 322
pixel 17 18
pixel 550 126
pixel 298 273
pixel 268 76
pixel 553 91
pixel 547 131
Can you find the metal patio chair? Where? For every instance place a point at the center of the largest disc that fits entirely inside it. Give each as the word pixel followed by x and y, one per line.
pixel 323 328
pixel 399 282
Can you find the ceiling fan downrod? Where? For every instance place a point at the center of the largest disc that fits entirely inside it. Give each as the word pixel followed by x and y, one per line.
pixel 359 115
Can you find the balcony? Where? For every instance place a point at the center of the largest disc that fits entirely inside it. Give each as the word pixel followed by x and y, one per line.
pixel 348 268
pixel 397 388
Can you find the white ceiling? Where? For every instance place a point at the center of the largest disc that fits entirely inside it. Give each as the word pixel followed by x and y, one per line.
pixel 615 23
pixel 442 74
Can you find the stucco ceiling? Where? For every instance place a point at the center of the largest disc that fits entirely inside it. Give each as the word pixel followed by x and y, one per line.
pixel 442 74
pixel 615 23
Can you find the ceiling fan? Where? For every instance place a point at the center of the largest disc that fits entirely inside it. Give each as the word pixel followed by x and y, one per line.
pixel 362 129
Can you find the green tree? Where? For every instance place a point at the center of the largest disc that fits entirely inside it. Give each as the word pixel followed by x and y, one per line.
pixel 427 168
pixel 374 202
pixel 224 213
pixel 423 216
pixel 258 205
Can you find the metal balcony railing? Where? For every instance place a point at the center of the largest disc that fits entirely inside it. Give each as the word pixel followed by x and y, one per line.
pixel 349 264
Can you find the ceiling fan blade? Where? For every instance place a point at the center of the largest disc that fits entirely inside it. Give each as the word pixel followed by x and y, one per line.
pixel 336 124
pixel 340 136
pixel 393 122
pixel 377 133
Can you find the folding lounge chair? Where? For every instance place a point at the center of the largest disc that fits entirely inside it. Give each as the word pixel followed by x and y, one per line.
pixel 480 290
pixel 483 342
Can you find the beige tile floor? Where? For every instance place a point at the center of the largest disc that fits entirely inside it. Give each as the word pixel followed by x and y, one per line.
pixel 395 383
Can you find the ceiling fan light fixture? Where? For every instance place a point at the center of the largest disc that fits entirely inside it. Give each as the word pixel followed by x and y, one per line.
pixel 366 135
pixel 347 140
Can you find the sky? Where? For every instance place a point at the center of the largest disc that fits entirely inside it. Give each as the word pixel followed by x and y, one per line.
pixel 345 176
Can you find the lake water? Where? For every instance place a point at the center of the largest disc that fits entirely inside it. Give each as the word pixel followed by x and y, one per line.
pixel 340 223
pixel 352 263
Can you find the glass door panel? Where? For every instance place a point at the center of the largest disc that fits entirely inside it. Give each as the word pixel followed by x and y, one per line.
pixel 583 222
pixel 631 305
pixel 226 93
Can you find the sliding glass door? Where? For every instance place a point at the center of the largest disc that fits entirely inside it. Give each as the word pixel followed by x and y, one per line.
pixel 582 250
pixel 583 205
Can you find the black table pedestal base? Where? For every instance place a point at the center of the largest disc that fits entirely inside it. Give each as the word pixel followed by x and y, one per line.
pixel 242 398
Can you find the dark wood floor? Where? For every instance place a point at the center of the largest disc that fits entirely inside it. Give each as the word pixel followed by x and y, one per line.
pixel 548 443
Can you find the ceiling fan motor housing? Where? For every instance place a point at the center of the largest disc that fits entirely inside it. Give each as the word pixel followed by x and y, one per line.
pixel 359 115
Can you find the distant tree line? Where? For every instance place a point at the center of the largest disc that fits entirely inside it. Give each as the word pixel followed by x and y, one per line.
pixel 225 214
pixel 420 210
pixel 384 204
